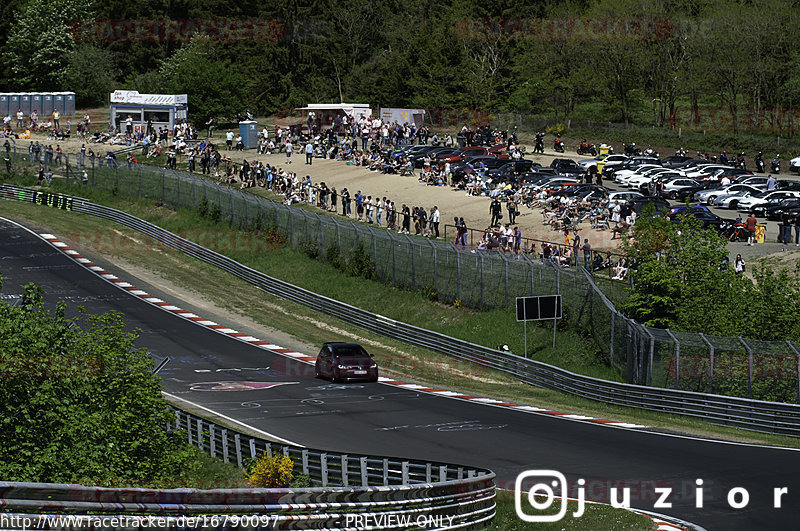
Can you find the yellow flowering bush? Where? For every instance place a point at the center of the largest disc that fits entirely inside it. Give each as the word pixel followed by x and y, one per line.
pixel 271 472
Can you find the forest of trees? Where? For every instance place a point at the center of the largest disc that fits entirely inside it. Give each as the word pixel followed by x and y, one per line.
pixel 630 61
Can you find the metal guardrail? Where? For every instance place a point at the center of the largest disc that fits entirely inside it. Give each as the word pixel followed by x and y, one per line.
pixel 764 416
pixel 352 491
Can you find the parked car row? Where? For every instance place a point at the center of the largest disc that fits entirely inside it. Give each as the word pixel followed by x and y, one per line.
pixel 442 155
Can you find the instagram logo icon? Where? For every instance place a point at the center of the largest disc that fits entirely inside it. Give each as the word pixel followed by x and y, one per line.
pixel 541 496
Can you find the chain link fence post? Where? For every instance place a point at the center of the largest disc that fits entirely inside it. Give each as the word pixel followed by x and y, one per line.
pixel 677 384
pixel 710 362
pixel 481 300
pixel 413 268
pixel 749 350
pixel 394 258
pixel 505 260
pixel 649 372
pixel 458 272
pixel 797 355
pixel 291 225
pixel 435 271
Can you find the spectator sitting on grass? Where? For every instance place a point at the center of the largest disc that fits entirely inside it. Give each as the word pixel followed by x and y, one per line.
pixel 621 269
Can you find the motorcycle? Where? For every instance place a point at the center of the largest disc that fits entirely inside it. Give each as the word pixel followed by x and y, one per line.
pixel 558 145
pixel 775 164
pixel 734 232
pixel 760 166
pixel 650 152
pixel 631 150
pixel 586 148
pixel 740 162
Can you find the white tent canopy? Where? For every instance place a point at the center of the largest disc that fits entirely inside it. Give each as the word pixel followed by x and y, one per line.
pixel 352 109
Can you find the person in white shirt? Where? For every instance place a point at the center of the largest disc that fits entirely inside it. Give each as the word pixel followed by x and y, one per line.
pixel 509 235
pixel 435 218
pixel 368 206
pixel 379 209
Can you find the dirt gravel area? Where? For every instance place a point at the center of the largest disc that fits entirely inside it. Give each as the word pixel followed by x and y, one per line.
pixel 401 190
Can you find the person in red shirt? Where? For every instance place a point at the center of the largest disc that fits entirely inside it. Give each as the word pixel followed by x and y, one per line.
pixel 750 225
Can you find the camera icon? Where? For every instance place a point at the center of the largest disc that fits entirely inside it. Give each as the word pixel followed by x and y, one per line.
pixel 547 489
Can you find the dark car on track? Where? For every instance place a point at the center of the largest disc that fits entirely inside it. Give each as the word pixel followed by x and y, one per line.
pixel 345 361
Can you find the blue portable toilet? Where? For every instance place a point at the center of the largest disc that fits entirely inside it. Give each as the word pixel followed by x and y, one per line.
pixel 47 105
pixel 248 130
pixel 5 105
pixel 69 103
pixel 36 104
pixel 25 104
pixel 15 105
pixel 58 102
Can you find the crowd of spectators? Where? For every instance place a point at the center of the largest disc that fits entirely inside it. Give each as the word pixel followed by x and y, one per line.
pixel 366 142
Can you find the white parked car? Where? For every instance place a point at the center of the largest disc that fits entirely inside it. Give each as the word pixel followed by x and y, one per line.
pixel 608 160
pixel 636 181
pixel 755 180
pixel 705 171
pixel 622 175
pixel 730 198
pixel 707 197
pixel 674 186
pixel 622 196
pixel 794 164
pixel 765 197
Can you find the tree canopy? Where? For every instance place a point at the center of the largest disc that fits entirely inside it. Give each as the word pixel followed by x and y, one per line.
pixel 612 60
pixel 682 281
pixel 79 403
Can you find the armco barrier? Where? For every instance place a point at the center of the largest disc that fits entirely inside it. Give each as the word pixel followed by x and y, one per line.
pixel 353 491
pixel 769 417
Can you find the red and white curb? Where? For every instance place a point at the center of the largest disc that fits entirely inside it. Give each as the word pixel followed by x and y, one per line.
pixel 666 526
pixel 155 301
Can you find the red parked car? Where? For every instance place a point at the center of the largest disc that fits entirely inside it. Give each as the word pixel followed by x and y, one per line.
pixel 460 154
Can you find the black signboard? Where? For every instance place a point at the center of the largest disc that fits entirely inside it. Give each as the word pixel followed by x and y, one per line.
pixel 539 308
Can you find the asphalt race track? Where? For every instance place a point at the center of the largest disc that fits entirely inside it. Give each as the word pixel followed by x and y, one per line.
pixel 282 397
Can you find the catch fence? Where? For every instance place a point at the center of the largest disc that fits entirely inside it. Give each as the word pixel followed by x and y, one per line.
pixel 764 370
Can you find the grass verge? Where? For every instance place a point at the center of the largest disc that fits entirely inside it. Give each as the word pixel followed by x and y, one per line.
pixel 596 517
